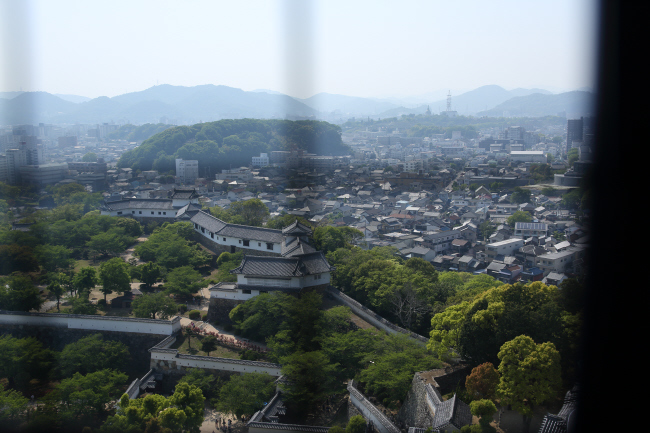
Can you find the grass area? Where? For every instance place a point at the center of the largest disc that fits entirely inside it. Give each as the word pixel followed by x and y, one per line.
pixel 181 344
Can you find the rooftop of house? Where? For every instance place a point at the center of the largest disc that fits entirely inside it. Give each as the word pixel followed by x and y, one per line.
pixel 296 266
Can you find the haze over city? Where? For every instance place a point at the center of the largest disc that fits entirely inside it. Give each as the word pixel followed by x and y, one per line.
pixel 361 48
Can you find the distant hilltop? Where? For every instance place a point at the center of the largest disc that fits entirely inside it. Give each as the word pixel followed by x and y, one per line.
pixel 188 105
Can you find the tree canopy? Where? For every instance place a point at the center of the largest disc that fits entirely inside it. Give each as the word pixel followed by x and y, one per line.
pixel 232 143
pixel 90 354
pixel 530 374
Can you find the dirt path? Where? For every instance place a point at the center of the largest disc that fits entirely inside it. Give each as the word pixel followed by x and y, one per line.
pixel 219 330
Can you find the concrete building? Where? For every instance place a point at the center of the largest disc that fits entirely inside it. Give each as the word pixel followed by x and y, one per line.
pixel 187 170
pixel 44 174
pixel 527 230
pixel 506 248
pixel 261 161
pixel 532 156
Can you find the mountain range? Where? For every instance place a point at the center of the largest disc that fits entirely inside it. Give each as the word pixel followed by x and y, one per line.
pixel 188 105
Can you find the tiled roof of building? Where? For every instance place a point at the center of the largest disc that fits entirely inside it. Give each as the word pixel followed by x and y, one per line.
pixel 297 228
pixel 308 264
pixel 208 222
pixel 215 225
pixel 452 411
pixel 188 211
pixel 296 248
pixel 184 193
pixel 255 233
pixel 530 226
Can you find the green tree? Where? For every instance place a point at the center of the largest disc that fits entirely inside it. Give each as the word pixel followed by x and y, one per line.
pixel 114 276
pixel 502 313
pixel 189 399
pixel 13 404
pixel 519 216
pixel 53 257
pixel 147 306
pixel 484 410
pixel 90 394
pixel 250 212
pixel 23 359
pixel 572 156
pixel 90 354
pixel 18 293
pixel 149 274
pixel 390 370
pixel 351 351
pixel 520 195
pixel 184 281
pixel 82 305
pixel 357 424
pixel 261 317
pixel 209 344
pixel 486 229
pixel 310 380
pixel 281 221
pixel 109 243
pixel 56 289
pixel 329 238
pixel 245 394
pixel 445 332
pixel 572 199
pixel 530 375
pixel 208 383
pixel 130 226
pixel 303 321
pixel 85 280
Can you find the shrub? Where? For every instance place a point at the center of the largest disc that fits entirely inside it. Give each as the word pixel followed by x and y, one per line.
pixel 204 317
pixel 227 327
pixel 251 355
pixel 194 315
pixel 182 308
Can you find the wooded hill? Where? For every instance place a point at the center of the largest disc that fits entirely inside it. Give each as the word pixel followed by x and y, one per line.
pixel 232 143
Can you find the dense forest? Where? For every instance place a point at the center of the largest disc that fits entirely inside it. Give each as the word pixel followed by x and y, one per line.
pixel 232 143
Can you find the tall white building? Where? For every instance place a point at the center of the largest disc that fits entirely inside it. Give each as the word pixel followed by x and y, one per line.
pixel 187 170
pixel 260 161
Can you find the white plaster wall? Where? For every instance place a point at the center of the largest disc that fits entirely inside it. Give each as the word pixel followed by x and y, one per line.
pixel 141 327
pixel 11 319
pixel 231 241
pixel 211 363
pixel 145 213
pixel 238 295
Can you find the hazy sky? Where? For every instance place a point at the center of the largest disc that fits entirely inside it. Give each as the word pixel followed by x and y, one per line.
pixel 360 48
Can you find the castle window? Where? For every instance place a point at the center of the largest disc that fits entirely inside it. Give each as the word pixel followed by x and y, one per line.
pixel 246 292
pixel 269 246
pixel 247 243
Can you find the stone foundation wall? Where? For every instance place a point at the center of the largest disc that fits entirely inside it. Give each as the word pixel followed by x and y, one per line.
pixel 220 308
pixel 415 411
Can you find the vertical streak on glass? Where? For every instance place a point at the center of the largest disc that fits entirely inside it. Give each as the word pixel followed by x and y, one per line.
pixel 17 49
